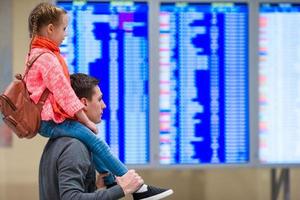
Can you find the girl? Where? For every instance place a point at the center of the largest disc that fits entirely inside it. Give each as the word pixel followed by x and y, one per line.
pixel 62 113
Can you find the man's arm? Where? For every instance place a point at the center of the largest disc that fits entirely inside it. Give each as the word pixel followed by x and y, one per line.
pixel 73 166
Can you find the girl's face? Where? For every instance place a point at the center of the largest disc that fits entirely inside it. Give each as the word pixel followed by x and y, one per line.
pixel 58 32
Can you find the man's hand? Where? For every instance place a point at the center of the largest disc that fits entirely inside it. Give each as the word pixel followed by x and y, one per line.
pixel 130 182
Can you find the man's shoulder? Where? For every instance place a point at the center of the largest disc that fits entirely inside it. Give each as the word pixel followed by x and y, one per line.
pixel 67 141
pixel 67 144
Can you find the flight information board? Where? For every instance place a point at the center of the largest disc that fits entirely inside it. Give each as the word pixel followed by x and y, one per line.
pixel 279 83
pixel 204 111
pixel 109 40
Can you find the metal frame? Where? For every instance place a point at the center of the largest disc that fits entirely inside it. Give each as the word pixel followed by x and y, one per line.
pixel 254 162
pixel 6 52
pixel 255 134
pixel 250 70
pixel 6 44
pixel 282 181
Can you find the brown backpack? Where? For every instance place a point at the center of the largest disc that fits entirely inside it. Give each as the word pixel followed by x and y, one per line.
pixel 19 112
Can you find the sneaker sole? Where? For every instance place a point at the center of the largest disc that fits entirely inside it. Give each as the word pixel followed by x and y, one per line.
pixel 159 196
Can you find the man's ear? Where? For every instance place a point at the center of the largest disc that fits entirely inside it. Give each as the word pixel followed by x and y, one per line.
pixel 84 101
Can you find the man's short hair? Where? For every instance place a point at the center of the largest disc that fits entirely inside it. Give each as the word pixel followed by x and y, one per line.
pixel 83 85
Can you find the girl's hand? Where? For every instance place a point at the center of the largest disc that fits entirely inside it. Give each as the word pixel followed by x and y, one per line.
pixel 100 180
pixel 82 118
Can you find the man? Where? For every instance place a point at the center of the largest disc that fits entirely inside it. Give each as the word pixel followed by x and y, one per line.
pixel 66 169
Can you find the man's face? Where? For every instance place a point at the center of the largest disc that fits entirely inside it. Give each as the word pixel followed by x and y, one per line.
pixel 94 107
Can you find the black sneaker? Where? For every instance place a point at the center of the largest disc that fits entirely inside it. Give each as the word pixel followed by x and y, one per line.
pixel 153 193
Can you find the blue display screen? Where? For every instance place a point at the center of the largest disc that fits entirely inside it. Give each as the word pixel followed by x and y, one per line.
pixel 204 97
pixel 109 40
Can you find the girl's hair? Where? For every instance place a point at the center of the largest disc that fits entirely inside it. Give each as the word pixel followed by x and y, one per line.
pixel 43 14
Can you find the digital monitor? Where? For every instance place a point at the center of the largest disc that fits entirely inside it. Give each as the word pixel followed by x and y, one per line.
pixel 109 41
pixel 204 92
pixel 279 83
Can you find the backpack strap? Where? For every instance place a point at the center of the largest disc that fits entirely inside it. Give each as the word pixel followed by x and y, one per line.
pixel 30 63
pixel 43 97
pixel 46 92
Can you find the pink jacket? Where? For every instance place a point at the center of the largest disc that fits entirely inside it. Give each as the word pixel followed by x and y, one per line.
pixel 47 72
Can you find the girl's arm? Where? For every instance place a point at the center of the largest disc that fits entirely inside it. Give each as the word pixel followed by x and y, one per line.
pixel 81 116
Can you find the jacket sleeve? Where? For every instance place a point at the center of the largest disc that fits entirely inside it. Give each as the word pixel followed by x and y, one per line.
pixel 57 83
pixel 73 165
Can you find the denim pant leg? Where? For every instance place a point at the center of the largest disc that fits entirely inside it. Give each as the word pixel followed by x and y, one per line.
pixel 46 128
pixel 110 178
pixel 97 146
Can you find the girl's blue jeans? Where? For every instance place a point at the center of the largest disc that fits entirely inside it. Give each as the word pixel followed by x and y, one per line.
pixel 104 160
